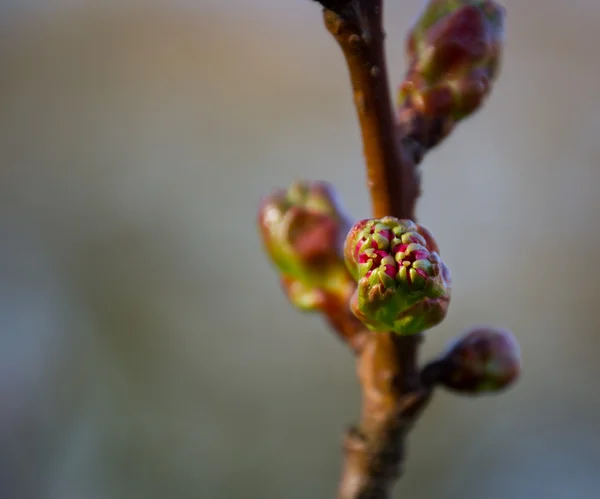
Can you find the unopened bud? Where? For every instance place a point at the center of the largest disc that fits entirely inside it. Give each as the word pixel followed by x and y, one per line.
pixel 403 285
pixel 454 52
pixel 303 229
pixel 483 360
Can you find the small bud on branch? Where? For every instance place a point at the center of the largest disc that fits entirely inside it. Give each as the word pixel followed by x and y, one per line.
pixel 303 230
pixel 403 285
pixel 454 53
pixel 483 360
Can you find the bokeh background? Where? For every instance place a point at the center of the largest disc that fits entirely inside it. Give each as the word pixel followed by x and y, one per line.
pixel 146 350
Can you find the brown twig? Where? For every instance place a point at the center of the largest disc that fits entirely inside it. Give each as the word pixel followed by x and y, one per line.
pixel 392 399
pixel 392 393
pixel 391 174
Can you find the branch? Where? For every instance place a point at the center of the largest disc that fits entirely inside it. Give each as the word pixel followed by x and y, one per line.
pixel 392 399
pixel 391 174
pixel 392 394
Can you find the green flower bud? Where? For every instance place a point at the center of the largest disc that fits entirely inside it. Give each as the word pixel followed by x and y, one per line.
pixel 483 360
pixel 403 285
pixel 454 52
pixel 303 230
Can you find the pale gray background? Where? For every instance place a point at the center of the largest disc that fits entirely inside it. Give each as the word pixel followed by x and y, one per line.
pixel 145 348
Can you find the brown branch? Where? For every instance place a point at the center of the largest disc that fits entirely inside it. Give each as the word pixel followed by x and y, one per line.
pixel 392 399
pixel 392 176
pixel 392 393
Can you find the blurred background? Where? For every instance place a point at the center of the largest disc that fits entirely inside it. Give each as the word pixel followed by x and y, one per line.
pixel 146 350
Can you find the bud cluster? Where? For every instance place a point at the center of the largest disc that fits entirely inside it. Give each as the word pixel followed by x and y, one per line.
pixel 403 285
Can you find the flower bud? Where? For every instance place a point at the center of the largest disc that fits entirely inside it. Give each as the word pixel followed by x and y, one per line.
pixel 484 359
pixel 454 53
pixel 302 230
pixel 403 285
